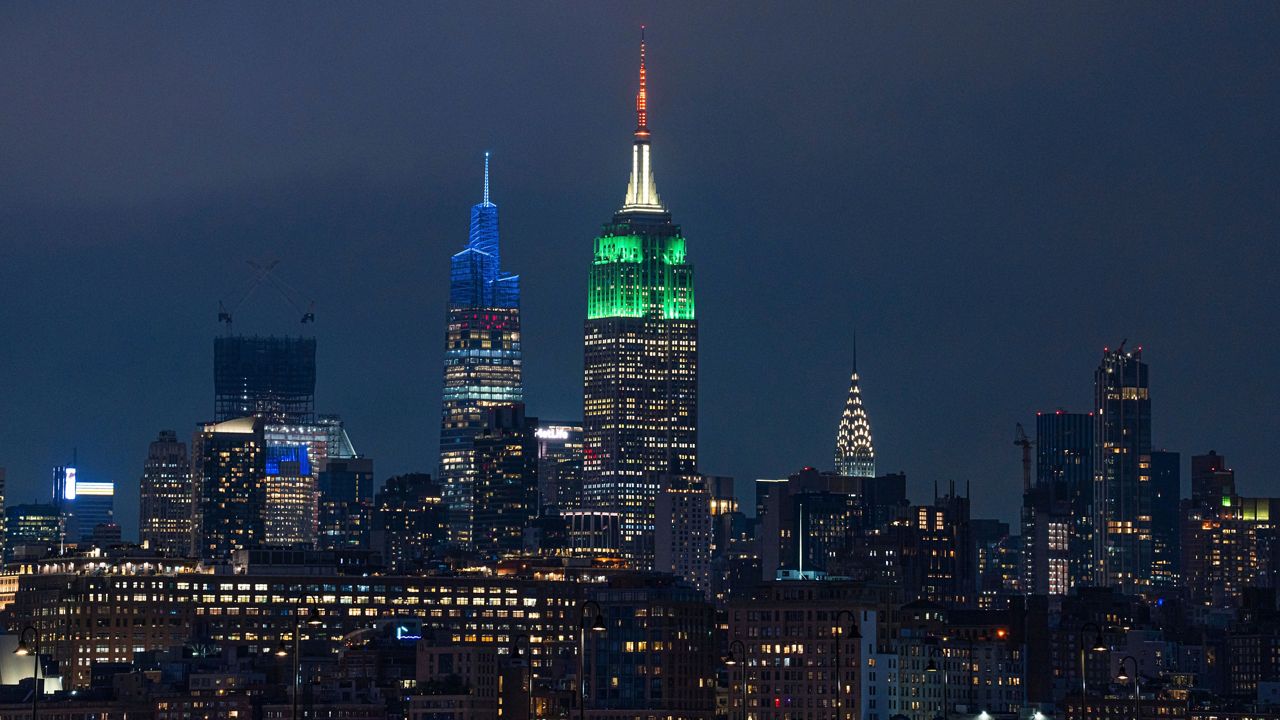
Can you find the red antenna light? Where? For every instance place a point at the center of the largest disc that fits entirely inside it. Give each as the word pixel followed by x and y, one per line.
pixel 642 113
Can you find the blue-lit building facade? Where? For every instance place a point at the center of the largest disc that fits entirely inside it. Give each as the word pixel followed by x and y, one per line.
pixel 482 364
pixel 83 505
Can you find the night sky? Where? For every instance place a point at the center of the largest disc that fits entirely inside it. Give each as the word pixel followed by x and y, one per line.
pixel 989 195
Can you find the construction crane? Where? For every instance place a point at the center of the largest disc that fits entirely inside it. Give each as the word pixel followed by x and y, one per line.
pixel 263 273
pixel 1021 440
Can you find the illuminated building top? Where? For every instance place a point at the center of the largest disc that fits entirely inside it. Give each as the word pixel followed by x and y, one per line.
pixel 642 191
pixel 855 454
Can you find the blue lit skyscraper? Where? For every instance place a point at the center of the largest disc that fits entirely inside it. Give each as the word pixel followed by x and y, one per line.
pixel 482 357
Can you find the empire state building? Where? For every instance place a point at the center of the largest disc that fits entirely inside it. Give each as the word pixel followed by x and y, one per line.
pixel 640 380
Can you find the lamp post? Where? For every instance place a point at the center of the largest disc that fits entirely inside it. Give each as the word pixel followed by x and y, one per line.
pixel 1137 692
pixel 738 656
pixel 593 621
pixel 283 651
pixel 839 633
pixel 34 650
pixel 528 659
pixel 1098 646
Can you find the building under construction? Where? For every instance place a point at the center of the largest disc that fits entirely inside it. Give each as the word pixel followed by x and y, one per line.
pixel 270 377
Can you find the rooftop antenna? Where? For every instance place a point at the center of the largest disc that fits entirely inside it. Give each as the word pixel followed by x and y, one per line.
pixel 486 179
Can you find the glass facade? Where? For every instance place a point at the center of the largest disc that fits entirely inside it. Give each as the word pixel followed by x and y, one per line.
pixel 482 365
pixel 1122 492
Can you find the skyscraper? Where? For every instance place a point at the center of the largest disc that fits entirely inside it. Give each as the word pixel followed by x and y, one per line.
pixel 273 378
pixel 482 363
pixel 506 487
pixel 559 465
pixel 640 380
pixel 855 455
pixel 228 465
pixel 346 502
pixel 1166 491
pixel 409 522
pixel 1122 472
pixel 83 504
pixel 1057 513
pixel 164 496
pixel 31 530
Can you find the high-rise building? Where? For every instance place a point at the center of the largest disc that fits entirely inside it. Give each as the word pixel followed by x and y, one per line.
pixel 83 504
pixel 1061 502
pixel 482 363
pixel 228 469
pixel 270 377
pixel 31 529
pixel 559 465
pixel 346 502
pixel 1211 480
pixel 683 536
pixel 1166 490
pixel 506 483
pixel 409 522
pixel 640 380
pixel 164 496
pixel 1122 546
pixel 294 455
pixel 855 454
pixel 337 443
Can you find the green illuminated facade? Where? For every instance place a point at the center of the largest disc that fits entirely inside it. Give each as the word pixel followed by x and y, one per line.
pixel 635 274
pixel 640 380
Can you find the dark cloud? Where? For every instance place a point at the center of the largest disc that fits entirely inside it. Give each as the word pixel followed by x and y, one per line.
pixel 989 194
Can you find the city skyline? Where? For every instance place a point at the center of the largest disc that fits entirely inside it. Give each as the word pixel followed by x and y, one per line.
pixel 168 386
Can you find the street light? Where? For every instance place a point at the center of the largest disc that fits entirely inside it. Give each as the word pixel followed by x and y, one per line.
pixel 839 633
pixel 282 651
pixel 1098 646
pixel 593 621
pixel 1124 678
pixel 738 656
pixel 34 649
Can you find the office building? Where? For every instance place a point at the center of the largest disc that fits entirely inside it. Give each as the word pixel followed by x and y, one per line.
pixel 506 480
pixel 294 455
pixel 346 502
pixel 228 468
pixel 855 453
pixel 656 663
pixel 1211 480
pixel 1063 493
pixel 1166 487
pixel 559 465
pixel 164 496
pixel 683 535
pixel 410 522
pixel 808 650
pixel 640 380
pixel 482 364
pixel 268 377
pixel 337 442
pixel 1122 542
pixel 810 521
pixel 83 504
pixel 31 530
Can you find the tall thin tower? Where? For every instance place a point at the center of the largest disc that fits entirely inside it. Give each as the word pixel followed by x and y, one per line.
pixel 855 454
pixel 1122 491
pixel 640 380
pixel 482 363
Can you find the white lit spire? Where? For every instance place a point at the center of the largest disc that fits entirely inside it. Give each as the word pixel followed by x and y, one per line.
pixel 642 191
pixel 855 454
